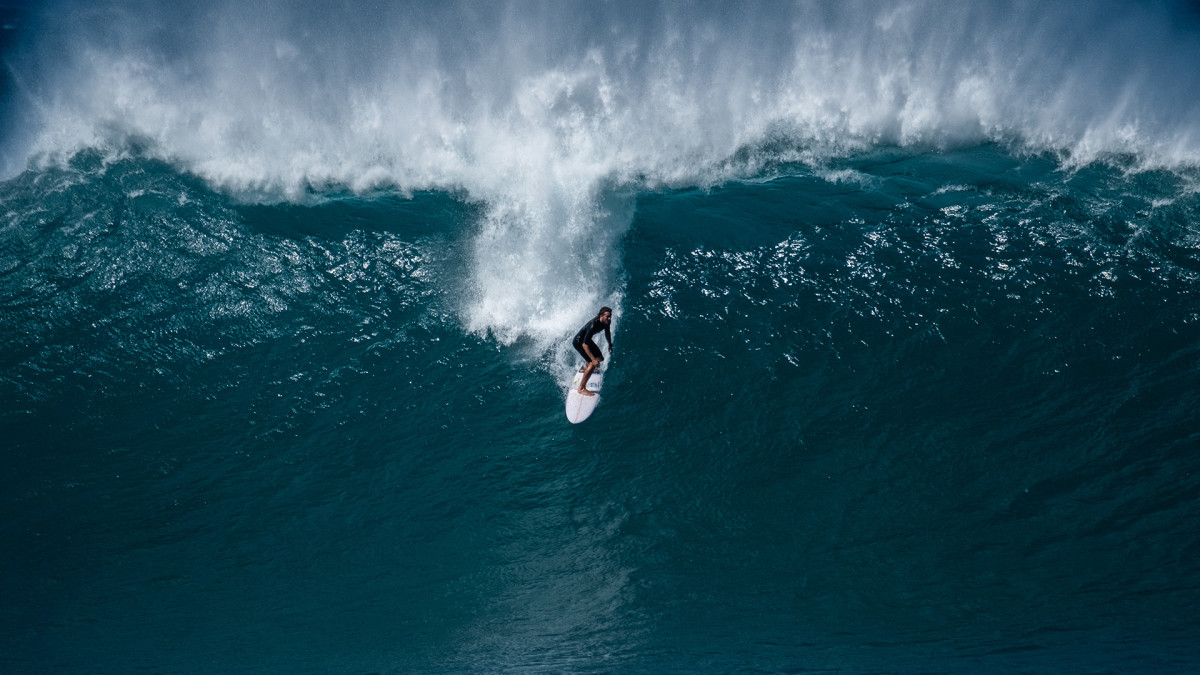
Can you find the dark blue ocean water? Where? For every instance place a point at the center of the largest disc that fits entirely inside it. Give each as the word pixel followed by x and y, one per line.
pixel 905 363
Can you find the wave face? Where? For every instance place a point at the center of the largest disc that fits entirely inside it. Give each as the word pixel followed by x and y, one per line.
pixel 913 413
pixel 906 339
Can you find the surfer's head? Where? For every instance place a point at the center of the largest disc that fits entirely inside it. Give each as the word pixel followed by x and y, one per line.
pixel 605 314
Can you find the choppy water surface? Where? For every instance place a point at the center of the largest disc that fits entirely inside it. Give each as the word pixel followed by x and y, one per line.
pixel 906 339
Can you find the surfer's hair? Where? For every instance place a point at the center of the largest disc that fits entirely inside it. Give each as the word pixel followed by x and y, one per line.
pixel 602 311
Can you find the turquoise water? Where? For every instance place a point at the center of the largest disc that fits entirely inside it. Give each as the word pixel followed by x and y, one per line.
pixel 904 382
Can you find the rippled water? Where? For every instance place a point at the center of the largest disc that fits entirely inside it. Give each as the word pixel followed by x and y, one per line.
pixel 906 338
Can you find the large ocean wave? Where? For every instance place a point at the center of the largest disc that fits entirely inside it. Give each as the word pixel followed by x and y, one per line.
pixel 554 116
pixel 907 337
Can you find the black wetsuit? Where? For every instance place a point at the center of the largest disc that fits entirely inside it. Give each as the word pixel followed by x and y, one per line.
pixel 584 337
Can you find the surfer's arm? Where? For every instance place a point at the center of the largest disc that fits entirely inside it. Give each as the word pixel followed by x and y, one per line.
pixel 608 337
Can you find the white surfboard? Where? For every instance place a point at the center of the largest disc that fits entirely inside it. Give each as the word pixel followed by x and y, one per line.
pixel 580 407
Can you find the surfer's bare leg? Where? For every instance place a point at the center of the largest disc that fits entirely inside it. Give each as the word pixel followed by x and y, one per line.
pixel 587 372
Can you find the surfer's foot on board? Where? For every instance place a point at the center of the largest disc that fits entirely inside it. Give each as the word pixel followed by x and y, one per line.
pixel 585 392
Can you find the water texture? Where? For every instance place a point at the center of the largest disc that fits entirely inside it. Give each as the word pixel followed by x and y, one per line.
pixel 906 338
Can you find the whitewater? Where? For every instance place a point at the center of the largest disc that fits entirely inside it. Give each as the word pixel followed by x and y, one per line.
pixel 553 117
pixel 906 336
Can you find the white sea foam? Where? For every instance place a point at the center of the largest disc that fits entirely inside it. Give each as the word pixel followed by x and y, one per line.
pixel 549 113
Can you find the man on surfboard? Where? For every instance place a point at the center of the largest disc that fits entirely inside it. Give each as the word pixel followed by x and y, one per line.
pixel 584 344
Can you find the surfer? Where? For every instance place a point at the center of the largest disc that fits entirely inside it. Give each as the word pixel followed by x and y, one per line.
pixel 584 344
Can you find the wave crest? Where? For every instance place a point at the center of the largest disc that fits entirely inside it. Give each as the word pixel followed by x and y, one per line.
pixel 540 110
